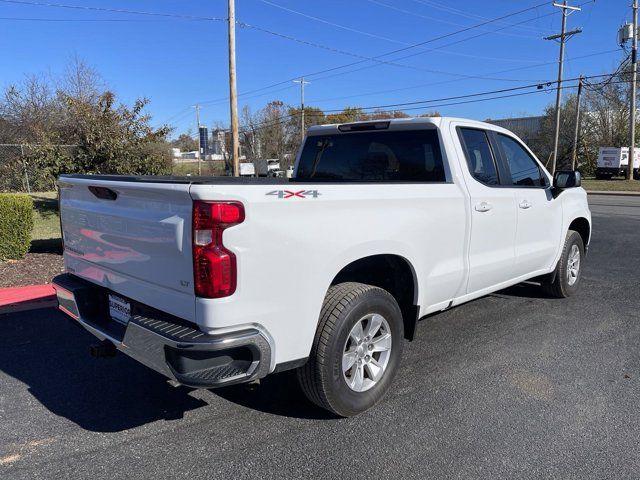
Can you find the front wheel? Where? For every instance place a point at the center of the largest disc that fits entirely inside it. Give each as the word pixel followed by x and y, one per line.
pixel 356 351
pixel 568 272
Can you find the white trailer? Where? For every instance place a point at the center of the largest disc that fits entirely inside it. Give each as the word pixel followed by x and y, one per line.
pixel 614 161
pixel 247 169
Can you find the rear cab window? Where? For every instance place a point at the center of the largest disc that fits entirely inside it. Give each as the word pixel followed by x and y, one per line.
pixel 375 156
pixel 479 155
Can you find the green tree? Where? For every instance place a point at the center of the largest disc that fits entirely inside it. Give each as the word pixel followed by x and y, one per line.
pixel 117 139
pixel 312 116
pixel 74 125
pixel 384 114
pixel 349 114
pixel 185 142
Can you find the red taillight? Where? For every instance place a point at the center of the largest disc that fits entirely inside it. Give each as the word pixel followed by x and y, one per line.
pixel 214 267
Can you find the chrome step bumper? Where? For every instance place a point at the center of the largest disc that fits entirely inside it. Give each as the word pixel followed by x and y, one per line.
pixel 166 344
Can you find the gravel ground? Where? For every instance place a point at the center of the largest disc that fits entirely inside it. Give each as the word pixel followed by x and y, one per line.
pixel 512 385
pixel 34 269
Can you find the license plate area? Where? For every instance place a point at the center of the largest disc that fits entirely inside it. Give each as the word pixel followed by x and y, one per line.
pixel 119 309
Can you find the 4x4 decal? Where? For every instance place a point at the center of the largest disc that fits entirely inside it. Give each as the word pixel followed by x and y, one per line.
pixel 292 194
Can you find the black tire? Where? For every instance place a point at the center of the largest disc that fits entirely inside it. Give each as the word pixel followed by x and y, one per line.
pixel 322 378
pixel 561 287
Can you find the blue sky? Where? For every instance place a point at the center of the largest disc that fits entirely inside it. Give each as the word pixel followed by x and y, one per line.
pixel 177 62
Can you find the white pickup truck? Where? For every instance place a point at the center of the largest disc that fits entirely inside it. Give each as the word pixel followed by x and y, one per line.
pixel 383 223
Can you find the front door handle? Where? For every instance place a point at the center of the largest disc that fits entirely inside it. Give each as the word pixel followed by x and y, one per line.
pixel 524 204
pixel 483 207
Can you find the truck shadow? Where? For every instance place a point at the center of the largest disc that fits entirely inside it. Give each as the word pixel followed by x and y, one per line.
pixel 277 394
pixel 47 352
pixel 523 290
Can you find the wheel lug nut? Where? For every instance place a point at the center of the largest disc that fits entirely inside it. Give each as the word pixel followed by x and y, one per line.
pixel 370 347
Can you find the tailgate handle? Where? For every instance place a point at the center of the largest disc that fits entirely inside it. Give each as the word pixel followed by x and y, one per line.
pixel 103 192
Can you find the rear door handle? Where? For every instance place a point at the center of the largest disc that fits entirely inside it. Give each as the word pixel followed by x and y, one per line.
pixel 524 204
pixel 483 207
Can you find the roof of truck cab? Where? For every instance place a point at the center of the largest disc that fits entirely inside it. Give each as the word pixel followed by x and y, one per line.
pixel 404 123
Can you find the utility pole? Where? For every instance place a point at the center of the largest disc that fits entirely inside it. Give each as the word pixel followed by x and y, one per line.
pixel 574 158
pixel 302 83
pixel 197 107
pixel 634 74
pixel 563 36
pixel 233 92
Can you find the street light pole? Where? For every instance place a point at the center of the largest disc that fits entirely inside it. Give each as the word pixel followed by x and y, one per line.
pixel 302 83
pixel 197 107
pixel 634 75
pixel 562 36
pixel 574 157
pixel 233 92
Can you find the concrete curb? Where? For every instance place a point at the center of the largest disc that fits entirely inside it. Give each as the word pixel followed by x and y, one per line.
pixel 27 298
pixel 614 193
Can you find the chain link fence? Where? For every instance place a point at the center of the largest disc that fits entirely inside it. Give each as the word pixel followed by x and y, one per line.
pixel 22 168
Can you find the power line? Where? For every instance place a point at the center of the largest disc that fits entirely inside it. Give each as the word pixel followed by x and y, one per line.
pixel 257 127
pixel 113 10
pixel 437 102
pixel 474 36
pixel 413 14
pixel 440 37
pixel 464 14
pixel 446 45
pixel 538 86
pixel 346 97
pixel 437 105
pixel 354 30
pixel 392 40
pixel 363 58
pixel 27 19
pixel 433 39
pixel 327 22
pixel 418 53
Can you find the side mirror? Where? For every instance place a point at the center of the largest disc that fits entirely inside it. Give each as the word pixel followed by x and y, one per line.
pixel 563 179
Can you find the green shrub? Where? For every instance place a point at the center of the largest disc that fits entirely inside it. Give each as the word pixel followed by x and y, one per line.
pixel 16 224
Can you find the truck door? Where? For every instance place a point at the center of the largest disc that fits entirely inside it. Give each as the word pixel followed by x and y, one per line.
pixel 493 213
pixel 539 224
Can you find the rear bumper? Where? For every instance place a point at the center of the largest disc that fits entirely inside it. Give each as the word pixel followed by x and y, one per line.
pixel 166 344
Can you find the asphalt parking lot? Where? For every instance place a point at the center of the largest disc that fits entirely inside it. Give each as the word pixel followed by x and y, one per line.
pixel 513 385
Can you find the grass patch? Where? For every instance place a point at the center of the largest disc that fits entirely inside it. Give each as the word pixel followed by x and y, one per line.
pixel 46 223
pixel 208 168
pixel 613 185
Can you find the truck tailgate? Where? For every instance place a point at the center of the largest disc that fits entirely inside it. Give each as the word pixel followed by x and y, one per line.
pixel 133 238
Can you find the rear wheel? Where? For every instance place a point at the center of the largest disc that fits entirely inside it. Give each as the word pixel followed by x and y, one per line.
pixel 569 269
pixel 356 351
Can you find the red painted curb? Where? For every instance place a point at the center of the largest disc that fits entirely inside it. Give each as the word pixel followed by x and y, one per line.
pixel 26 298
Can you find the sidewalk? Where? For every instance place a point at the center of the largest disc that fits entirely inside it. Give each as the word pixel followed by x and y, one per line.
pixel 27 298
pixel 613 192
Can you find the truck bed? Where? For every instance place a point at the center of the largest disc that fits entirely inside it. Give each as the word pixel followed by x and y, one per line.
pixel 184 179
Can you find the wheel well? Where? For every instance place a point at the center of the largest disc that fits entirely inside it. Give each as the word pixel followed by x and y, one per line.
pixel 392 273
pixel 581 225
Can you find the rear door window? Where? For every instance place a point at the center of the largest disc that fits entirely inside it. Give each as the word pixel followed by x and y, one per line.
pixel 410 156
pixel 480 159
